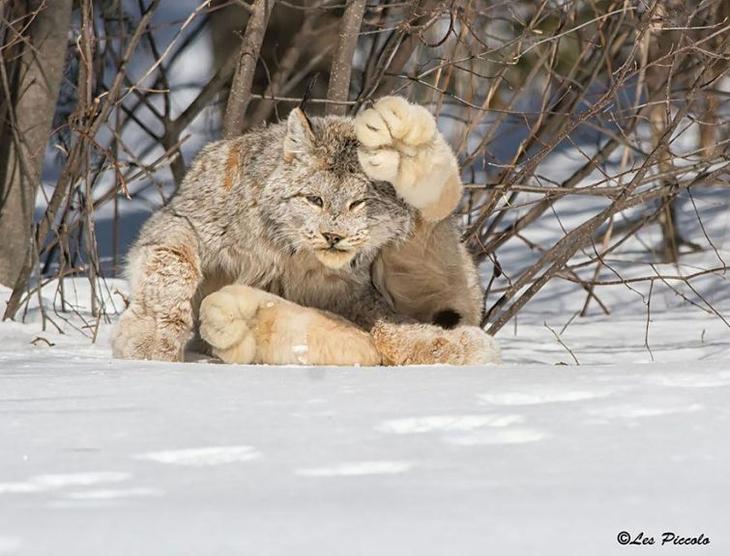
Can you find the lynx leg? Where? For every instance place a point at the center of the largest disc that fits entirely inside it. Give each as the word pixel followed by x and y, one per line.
pixel 159 320
pixel 423 344
pixel 431 277
pixel 247 325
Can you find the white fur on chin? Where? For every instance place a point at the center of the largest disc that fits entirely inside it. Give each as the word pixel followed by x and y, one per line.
pixel 333 258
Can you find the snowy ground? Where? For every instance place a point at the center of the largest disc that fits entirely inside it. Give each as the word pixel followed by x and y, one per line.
pixel 110 457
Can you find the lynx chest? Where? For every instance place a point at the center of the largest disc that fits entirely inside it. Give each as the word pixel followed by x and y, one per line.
pixel 304 280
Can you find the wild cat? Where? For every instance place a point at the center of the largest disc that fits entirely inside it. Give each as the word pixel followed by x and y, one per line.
pixel 320 241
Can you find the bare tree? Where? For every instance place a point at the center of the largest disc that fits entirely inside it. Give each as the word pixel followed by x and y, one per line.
pixel 339 82
pixel 240 92
pixel 35 34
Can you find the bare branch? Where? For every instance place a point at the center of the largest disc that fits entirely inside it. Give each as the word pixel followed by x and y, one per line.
pixel 240 93
pixel 339 84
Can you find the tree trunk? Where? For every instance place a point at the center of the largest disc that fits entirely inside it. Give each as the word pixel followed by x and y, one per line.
pixel 671 239
pixel 341 72
pixel 31 91
pixel 240 93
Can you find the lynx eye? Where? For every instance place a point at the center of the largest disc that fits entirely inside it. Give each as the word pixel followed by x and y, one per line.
pixel 313 199
pixel 356 204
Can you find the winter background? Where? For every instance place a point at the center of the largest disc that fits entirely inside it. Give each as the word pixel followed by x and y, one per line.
pixel 592 426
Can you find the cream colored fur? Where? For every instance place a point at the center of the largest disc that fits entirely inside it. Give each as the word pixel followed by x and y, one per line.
pixel 423 344
pixel 253 212
pixel 248 325
pixel 401 145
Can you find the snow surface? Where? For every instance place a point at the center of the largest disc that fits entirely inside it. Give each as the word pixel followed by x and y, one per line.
pixel 114 457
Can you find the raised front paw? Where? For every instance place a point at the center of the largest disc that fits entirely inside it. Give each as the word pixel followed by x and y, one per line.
pixel 394 122
pixel 400 144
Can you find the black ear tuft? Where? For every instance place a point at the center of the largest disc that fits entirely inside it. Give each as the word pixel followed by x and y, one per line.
pixel 308 94
pixel 448 318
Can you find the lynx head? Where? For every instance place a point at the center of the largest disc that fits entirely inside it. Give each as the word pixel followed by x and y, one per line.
pixel 320 200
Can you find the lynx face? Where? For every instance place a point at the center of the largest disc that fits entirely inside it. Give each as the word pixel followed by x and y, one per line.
pixel 320 200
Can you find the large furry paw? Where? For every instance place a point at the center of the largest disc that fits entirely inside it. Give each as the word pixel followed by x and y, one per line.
pixel 228 321
pixel 425 344
pixel 400 144
pixel 138 335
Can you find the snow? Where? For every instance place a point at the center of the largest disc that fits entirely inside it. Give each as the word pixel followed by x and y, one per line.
pixel 215 455
pixel 115 457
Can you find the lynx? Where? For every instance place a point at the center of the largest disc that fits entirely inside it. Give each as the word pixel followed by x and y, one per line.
pixel 324 241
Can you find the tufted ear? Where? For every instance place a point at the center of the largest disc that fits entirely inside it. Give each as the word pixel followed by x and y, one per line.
pixel 299 135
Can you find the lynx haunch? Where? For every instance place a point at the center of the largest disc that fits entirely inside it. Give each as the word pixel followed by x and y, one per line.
pixel 326 241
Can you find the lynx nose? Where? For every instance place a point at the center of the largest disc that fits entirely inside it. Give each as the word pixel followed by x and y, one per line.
pixel 331 239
